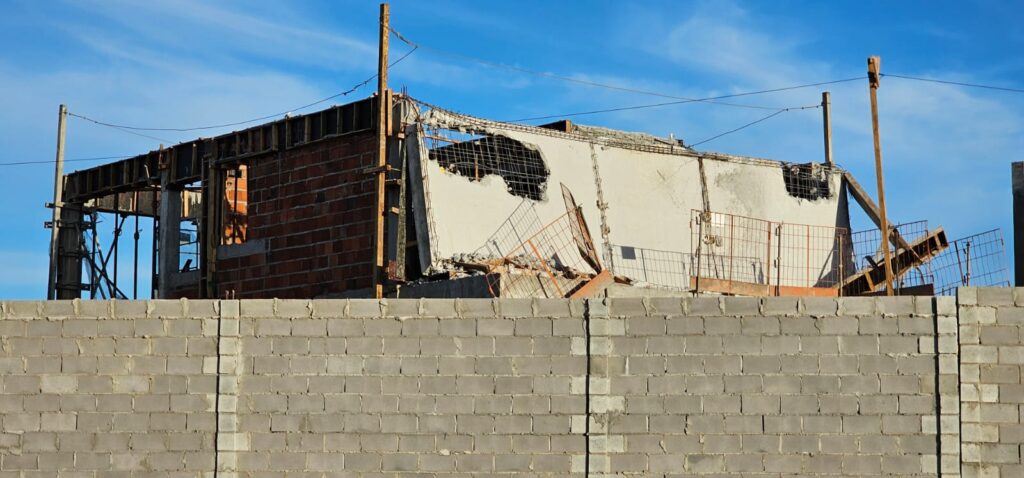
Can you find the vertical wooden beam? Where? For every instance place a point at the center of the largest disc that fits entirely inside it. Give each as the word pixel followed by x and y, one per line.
pixel 826 112
pixel 58 199
pixel 874 77
pixel 383 106
pixel 1017 173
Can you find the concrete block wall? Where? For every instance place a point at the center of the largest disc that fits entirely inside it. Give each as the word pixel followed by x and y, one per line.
pixel 113 389
pixel 443 387
pixel 773 387
pixel 992 390
pixel 696 386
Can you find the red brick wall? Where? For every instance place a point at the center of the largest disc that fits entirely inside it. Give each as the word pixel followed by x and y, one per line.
pixel 236 211
pixel 314 206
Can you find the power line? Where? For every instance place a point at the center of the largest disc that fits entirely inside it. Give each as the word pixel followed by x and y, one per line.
pixel 656 105
pixel 947 82
pixel 752 123
pixel 51 161
pixel 570 79
pixel 349 91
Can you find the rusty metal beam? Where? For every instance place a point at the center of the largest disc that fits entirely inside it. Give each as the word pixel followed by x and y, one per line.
pixel 186 161
pixel 919 252
pixel 594 286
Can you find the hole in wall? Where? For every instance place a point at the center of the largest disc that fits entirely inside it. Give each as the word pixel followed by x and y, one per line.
pixel 475 157
pixel 807 181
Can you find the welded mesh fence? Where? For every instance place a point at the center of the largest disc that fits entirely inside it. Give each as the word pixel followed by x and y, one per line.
pixel 550 263
pixel 867 251
pixel 652 267
pixel 523 223
pixel 978 260
pixel 739 249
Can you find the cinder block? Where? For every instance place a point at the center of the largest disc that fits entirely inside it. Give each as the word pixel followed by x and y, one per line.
pixel 685 326
pixel 702 306
pixel 329 308
pixel 58 309
pixel 365 308
pixel 856 306
pixel 722 326
pixel 440 308
pixel 844 325
pixel 533 326
pixel 995 296
pixel 23 309
pixel 664 306
pixel 476 308
pixel 552 308
pixel 786 306
pixel 741 306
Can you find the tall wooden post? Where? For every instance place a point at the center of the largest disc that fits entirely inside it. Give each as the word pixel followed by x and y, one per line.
pixel 826 112
pixel 874 77
pixel 383 107
pixel 58 202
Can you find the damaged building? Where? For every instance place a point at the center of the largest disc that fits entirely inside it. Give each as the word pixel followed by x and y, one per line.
pixel 460 206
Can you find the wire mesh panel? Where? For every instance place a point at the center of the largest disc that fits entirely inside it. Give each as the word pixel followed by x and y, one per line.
pixel 867 251
pixel 520 225
pixel 739 249
pixel 478 154
pixel 652 267
pixel 978 260
pixel 547 264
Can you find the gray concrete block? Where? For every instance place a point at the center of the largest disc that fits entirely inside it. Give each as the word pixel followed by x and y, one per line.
pixel 701 306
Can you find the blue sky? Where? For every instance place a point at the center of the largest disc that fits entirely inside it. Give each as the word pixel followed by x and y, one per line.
pixel 164 63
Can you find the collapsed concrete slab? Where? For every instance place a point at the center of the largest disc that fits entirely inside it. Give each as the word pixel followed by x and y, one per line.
pixel 637 191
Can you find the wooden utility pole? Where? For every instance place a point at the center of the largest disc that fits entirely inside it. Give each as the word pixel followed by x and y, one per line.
pixel 58 201
pixel 826 112
pixel 874 77
pixel 383 109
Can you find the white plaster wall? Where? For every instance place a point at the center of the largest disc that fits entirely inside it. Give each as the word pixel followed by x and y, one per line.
pixel 650 196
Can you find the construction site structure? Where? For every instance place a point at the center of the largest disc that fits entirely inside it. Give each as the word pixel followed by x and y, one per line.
pixel 480 208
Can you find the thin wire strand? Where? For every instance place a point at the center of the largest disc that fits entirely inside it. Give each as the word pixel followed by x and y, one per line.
pixel 752 123
pixel 51 161
pixel 683 99
pixel 947 82
pixel 656 105
pixel 239 123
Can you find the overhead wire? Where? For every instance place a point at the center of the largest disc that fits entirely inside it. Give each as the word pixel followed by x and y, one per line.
pixel 129 128
pixel 669 103
pixel 957 83
pixel 752 123
pixel 570 79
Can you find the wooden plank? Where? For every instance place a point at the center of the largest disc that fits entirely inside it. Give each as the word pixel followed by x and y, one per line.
pixel 874 77
pixel 869 207
pixel 723 286
pixel 383 111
